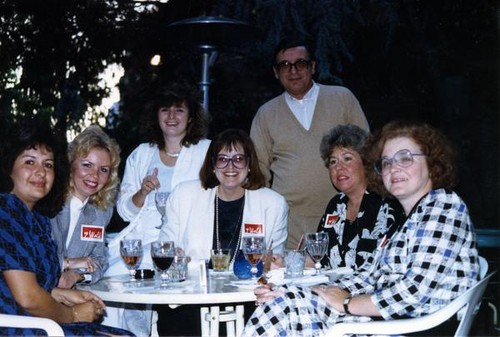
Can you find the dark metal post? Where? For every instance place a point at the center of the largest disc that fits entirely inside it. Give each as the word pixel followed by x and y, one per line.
pixel 209 34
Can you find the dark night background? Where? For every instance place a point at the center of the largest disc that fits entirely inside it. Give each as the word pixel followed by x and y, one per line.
pixel 435 61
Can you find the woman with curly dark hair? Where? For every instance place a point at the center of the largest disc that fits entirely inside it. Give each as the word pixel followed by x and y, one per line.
pixel 174 152
pixel 32 188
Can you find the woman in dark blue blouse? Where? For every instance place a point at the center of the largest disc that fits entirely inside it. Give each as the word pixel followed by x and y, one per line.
pixel 33 179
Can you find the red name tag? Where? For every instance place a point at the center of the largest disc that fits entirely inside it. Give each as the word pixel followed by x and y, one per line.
pixel 330 220
pixel 253 228
pixel 92 233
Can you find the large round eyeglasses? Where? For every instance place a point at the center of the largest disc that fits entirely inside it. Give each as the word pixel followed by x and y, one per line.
pixel 239 161
pixel 403 158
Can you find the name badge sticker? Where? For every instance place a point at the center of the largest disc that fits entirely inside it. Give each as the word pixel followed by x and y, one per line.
pixel 330 220
pixel 253 228
pixel 92 233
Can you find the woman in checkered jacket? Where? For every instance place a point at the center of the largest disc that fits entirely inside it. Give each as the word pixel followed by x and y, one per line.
pixel 422 264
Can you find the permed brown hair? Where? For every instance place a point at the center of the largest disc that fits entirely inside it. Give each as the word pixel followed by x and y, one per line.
pixel 439 152
pixel 176 94
pixel 226 140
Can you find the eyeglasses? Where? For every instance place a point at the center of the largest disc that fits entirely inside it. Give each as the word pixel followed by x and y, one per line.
pixel 403 158
pixel 286 66
pixel 239 161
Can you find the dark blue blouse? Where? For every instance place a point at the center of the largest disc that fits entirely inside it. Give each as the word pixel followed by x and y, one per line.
pixel 26 244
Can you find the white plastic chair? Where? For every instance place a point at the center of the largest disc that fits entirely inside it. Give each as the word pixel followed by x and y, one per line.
pixel 468 301
pixel 213 316
pixel 483 269
pixel 18 321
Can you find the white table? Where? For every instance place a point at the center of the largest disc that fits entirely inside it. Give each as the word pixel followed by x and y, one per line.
pixel 120 289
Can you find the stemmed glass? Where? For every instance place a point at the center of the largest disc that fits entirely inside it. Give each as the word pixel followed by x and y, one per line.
pixel 161 203
pixel 131 252
pixel 317 246
pixel 163 254
pixel 253 248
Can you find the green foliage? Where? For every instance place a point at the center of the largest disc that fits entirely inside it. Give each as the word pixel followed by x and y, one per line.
pixel 59 48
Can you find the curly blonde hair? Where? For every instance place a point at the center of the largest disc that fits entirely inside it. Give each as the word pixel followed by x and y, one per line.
pixel 90 138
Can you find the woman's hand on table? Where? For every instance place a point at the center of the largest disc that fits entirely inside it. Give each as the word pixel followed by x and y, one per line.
pixel 87 312
pixel 85 306
pixel 266 293
pixel 69 278
pixel 85 262
pixel 72 297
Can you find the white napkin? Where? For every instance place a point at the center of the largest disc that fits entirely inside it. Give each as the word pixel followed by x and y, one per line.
pixel 338 273
pixel 244 284
pixel 277 276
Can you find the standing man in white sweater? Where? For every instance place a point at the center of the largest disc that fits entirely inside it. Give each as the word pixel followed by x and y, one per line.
pixel 288 129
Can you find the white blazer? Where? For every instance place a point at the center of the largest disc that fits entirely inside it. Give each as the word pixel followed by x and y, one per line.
pixel 190 213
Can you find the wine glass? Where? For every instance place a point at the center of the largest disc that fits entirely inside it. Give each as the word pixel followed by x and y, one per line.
pixel 163 254
pixel 161 203
pixel 131 252
pixel 317 245
pixel 253 248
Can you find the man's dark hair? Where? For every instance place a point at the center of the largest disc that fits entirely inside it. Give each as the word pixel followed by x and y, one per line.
pixel 292 42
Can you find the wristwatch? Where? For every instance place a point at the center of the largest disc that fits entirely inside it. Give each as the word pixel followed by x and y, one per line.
pixel 346 305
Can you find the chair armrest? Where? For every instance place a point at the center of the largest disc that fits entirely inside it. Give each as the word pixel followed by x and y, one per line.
pixel 18 321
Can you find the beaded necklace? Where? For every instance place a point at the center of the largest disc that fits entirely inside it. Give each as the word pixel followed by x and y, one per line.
pixel 173 154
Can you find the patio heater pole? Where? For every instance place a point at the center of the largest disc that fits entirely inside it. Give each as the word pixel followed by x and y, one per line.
pixel 209 35
pixel 209 54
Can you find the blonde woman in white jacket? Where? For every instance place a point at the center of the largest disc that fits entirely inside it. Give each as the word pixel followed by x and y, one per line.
pixel 176 128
